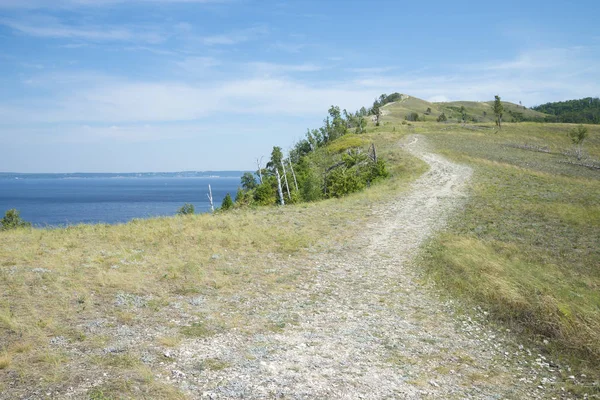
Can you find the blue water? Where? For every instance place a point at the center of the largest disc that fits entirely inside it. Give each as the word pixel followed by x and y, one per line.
pixel 68 199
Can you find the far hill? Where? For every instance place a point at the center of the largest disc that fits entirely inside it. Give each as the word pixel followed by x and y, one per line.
pixel 582 111
pixel 471 111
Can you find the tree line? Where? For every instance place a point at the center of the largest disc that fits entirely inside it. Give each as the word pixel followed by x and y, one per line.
pixel 582 111
pixel 330 161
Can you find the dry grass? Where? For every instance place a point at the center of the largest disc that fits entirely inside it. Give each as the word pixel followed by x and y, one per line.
pixel 56 282
pixel 526 245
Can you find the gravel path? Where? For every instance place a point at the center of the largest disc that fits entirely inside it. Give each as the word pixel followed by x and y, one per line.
pixel 366 328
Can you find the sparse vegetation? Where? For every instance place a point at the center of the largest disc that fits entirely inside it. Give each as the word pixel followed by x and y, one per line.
pixel 498 111
pixel 186 209
pixel 227 202
pixel 578 135
pixel 12 220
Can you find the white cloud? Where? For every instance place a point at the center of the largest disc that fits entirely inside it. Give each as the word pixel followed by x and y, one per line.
pixel 274 68
pixel 235 37
pixel 47 27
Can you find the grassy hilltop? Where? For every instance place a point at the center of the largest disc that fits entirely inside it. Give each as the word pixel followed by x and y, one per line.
pixel 474 111
pixel 525 248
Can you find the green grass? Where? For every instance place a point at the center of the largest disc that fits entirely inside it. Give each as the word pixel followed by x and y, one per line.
pixel 482 111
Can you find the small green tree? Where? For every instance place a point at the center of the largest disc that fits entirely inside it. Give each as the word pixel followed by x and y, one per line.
pixel 12 220
pixel 186 209
pixel 227 202
pixel 248 181
pixel 498 111
pixel 578 135
pixel 442 118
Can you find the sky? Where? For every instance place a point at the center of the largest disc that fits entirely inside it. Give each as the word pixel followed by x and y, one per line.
pixel 178 85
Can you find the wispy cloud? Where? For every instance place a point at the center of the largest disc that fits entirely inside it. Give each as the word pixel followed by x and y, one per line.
pixel 57 4
pixel 274 69
pixel 235 37
pixel 49 27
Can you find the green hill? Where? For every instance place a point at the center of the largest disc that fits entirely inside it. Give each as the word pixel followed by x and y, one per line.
pixel 474 111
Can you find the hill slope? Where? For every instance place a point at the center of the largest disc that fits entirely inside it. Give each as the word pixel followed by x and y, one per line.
pixel 475 111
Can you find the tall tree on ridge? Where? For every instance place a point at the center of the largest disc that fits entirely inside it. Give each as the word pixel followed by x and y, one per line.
pixel 498 110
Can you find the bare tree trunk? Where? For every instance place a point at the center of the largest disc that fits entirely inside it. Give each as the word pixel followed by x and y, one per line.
pixel 210 198
pixel 287 186
pixel 374 156
pixel 279 187
pixel 293 174
pixel 258 162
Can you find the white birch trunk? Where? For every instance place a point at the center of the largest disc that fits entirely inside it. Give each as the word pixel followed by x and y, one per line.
pixel 259 170
pixel 287 186
pixel 210 198
pixel 279 187
pixel 293 174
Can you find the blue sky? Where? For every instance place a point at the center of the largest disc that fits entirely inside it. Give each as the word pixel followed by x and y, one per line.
pixel 171 85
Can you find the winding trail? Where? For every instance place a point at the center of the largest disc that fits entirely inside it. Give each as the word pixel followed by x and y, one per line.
pixel 366 328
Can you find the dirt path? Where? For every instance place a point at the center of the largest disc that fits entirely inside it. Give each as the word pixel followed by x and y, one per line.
pixel 364 327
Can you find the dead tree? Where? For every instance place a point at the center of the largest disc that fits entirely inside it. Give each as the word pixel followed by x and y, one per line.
pixel 210 198
pixel 293 174
pixel 279 187
pixel 258 162
pixel 287 186
pixel 373 153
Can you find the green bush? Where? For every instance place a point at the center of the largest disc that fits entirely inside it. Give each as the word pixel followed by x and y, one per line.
pixel 12 220
pixel 227 202
pixel 186 209
pixel 264 194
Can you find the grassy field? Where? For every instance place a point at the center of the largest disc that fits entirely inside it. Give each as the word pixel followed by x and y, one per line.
pixel 527 246
pixel 70 296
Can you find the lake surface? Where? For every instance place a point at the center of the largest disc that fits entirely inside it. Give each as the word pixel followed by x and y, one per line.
pixel 68 199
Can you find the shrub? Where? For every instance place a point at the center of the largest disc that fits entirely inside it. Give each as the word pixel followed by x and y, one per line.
pixel 442 118
pixel 227 202
pixel 342 181
pixel 264 194
pixel 186 209
pixel 12 220
pixel 413 116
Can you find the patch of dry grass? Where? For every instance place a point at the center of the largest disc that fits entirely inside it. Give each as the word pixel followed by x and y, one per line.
pixel 56 282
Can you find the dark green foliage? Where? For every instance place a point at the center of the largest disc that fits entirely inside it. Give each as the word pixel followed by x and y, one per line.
pixel 413 116
pixel 583 111
pixel 342 181
pixel 186 209
pixel 378 170
pixel 248 181
pixel 516 116
pixel 578 135
pixel 265 194
pixel 498 111
pixel 275 161
pixel 428 111
pixel 12 220
pixel 227 202
pixel 323 166
pixel 442 118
